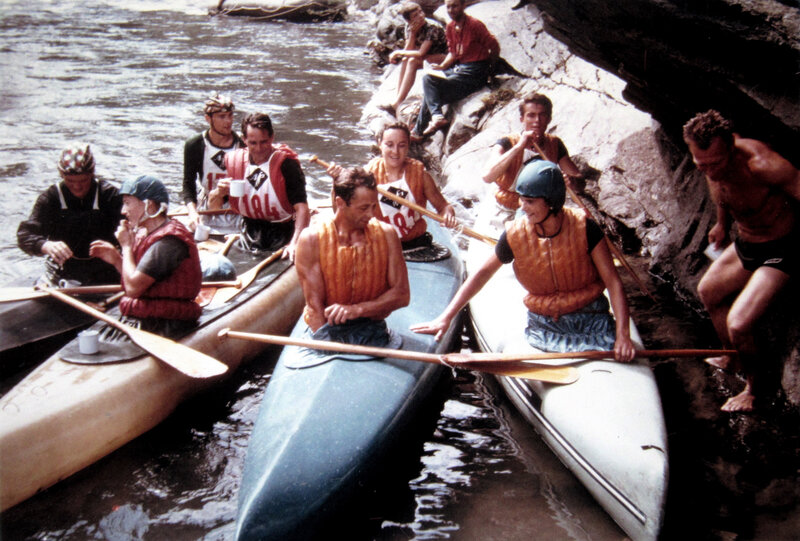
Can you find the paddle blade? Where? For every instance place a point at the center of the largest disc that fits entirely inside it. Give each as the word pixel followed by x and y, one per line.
pixel 562 375
pixel 183 358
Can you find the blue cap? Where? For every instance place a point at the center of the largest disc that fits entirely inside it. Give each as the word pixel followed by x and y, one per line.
pixel 146 188
pixel 543 179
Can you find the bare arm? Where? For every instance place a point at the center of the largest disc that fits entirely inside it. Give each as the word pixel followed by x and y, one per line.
pixel 448 61
pixel 500 159
pixel 468 290
pixel 434 195
pixel 771 168
pixel 623 346
pixel 309 272
pixel 301 220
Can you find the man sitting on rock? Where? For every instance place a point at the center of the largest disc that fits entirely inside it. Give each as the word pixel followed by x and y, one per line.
pixel 757 189
pixel 471 52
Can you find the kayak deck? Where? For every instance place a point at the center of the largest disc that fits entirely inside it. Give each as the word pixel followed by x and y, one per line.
pixel 324 431
pixel 607 428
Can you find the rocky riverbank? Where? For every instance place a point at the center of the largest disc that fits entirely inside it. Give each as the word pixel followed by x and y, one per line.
pixel 622 128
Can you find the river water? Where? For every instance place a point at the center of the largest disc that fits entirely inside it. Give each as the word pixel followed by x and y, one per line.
pixel 130 78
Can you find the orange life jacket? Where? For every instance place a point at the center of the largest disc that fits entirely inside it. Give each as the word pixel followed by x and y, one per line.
pixel 352 274
pixel 557 272
pixel 506 194
pixel 173 297
pixel 414 175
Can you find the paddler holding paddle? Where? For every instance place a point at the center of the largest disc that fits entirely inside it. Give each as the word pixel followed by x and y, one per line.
pixel 512 152
pixel 561 260
pixel 271 196
pixel 758 189
pixel 158 261
pixel 351 267
pixel 68 216
pixel 406 178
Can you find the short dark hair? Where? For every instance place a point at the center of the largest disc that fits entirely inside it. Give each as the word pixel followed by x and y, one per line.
pixel 539 99
pixel 407 8
pixel 704 127
pixel 395 126
pixel 260 121
pixel 349 180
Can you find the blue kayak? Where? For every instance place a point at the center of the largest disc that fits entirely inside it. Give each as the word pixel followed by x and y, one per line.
pixel 323 430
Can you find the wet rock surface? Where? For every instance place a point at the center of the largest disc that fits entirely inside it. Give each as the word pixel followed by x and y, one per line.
pixel 639 177
pixel 624 78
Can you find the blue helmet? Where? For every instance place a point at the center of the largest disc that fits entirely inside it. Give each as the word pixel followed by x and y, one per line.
pixel 146 188
pixel 543 179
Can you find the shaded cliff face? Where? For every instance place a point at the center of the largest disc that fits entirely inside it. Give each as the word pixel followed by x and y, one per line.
pixel 678 57
pixel 622 131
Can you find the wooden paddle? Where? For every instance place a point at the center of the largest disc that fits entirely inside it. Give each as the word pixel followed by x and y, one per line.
pixel 577 356
pixel 224 294
pixel 206 212
pixel 560 374
pixel 613 247
pixel 182 358
pixel 419 208
pixel 23 293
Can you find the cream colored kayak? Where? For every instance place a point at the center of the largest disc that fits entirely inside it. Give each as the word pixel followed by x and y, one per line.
pixel 63 416
pixel 607 428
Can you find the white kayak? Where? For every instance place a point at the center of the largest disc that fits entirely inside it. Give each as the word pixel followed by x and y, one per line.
pixel 607 428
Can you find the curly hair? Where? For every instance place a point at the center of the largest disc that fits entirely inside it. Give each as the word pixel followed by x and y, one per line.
pixel 704 127
pixel 349 180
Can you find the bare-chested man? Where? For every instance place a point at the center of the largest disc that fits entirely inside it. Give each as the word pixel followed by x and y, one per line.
pixel 351 266
pixel 754 187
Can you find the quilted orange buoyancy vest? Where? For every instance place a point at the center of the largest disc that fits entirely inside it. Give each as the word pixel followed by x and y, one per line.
pixel 352 274
pixel 173 297
pixel 506 194
pixel 557 272
pixel 414 176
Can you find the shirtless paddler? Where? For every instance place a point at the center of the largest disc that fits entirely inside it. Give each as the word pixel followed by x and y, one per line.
pixel 757 189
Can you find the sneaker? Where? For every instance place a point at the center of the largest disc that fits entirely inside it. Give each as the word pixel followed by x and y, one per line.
pixel 437 123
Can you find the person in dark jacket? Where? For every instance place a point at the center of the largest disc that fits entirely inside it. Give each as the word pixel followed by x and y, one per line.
pixel 68 216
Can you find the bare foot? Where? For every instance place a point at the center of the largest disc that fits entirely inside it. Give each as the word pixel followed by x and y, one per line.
pixel 723 362
pixel 742 402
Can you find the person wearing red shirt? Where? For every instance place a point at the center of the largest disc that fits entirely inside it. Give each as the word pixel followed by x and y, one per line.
pixel 471 52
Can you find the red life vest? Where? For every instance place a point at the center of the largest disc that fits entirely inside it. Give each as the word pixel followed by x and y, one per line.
pixel 558 272
pixel 256 203
pixel 173 297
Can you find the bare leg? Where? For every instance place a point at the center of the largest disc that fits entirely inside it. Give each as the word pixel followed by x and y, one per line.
pixel 408 74
pixel 749 306
pixel 723 279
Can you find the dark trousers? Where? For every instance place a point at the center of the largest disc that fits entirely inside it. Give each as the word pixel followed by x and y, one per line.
pixel 461 81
